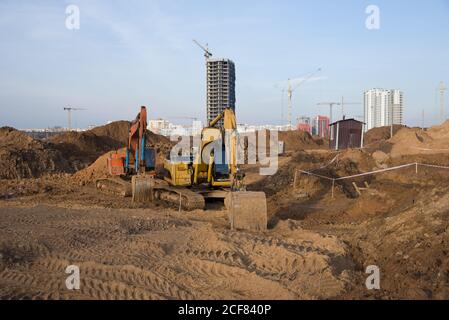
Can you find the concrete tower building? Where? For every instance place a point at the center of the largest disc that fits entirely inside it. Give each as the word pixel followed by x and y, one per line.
pixel 220 87
pixel 383 107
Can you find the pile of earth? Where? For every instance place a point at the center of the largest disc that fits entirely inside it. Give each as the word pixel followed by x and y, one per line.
pixel 293 141
pixel 380 134
pixel 297 140
pixel 23 157
pixel 83 148
pixel 409 142
pixel 118 131
pixel 416 141
pixel 97 170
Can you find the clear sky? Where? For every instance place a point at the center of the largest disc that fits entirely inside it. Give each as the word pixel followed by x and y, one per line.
pixel 132 53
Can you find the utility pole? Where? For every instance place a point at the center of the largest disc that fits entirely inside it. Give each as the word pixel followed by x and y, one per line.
pixel 331 105
pixel 442 89
pixel 291 89
pixel 422 120
pixel 69 115
pixel 391 119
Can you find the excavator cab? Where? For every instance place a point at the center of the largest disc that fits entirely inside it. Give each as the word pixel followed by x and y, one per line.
pixel 214 174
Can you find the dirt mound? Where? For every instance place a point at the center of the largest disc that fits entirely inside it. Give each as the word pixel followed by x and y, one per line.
pixel 440 132
pixel 97 170
pixel 117 131
pixel 23 157
pixel 409 141
pixel 414 141
pixel 297 140
pixel 84 148
pixel 380 134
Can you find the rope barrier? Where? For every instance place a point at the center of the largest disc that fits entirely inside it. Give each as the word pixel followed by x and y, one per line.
pixel 376 171
pixel 415 164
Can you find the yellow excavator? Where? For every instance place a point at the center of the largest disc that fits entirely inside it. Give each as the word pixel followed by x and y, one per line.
pixel 208 171
pixel 213 173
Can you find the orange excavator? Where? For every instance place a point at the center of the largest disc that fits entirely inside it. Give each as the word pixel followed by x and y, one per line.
pixel 138 161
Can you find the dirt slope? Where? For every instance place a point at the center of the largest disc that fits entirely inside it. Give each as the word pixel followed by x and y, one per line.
pixel 380 134
pixel 86 147
pixel 23 157
pixel 297 140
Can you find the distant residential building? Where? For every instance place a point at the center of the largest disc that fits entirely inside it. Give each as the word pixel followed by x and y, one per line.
pixel 197 127
pixel 220 87
pixel 158 125
pixel 383 108
pixel 321 126
pixel 246 128
pixel 305 124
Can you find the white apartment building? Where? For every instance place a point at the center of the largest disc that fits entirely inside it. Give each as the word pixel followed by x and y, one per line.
pixel 383 107
pixel 158 125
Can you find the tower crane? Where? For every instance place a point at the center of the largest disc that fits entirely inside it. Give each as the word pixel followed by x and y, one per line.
pixel 331 105
pixel 207 53
pixel 291 88
pixel 343 104
pixel 69 115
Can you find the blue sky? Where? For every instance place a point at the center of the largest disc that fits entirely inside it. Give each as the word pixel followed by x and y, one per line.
pixel 132 53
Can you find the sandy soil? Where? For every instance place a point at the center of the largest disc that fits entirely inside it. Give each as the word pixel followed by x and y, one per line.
pixel 158 253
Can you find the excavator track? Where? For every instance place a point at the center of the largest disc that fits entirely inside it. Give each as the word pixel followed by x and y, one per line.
pixel 147 189
pixel 114 185
pixel 186 198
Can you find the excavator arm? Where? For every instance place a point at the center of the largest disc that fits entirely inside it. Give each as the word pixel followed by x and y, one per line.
pixel 247 210
pixel 136 153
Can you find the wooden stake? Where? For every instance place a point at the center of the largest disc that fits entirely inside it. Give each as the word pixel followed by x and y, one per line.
pixel 333 185
pixel 294 179
pixel 357 188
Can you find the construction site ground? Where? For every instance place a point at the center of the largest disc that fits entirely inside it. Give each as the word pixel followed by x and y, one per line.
pixel 316 246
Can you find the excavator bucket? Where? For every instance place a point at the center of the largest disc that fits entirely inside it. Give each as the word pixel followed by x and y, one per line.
pixel 247 210
pixel 142 189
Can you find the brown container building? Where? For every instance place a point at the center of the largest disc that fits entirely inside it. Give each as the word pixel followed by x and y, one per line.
pixel 346 134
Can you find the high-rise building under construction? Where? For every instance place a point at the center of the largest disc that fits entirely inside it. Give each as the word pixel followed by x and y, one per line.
pixel 220 87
